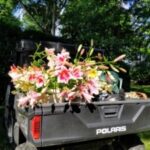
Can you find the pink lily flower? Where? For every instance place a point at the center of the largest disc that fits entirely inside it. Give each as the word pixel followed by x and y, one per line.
pixel 92 85
pixel 14 73
pixel 34 97
pixel 62 57
pixel 64 75
pixel 49 51
pixel 84 92
pixel 32 77
pixel 76 72
pixel 88 97
pixel 68 95
pixel 51 63
pixel 65 54
pixel 23 101
pixel 39 81
pixel 37 78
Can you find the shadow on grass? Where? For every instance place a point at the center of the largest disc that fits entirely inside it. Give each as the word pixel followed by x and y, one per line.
pixel 145 135
pixel 4 144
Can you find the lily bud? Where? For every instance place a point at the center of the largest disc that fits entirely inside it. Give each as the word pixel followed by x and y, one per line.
pixel 82 52
pixel 103 67
pixel 114 68
pixel 111 76
pixel 91 51
pixel 122 69
pixel 68 64
pixel 79 48
pixel 119 58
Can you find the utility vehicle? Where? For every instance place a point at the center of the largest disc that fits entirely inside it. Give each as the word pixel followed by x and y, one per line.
pixel 101 125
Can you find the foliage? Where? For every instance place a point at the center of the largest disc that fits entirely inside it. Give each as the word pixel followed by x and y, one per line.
pixel 140 72
pixel 141 25
pixel 9 27
pixel 113 29
pixel 41 15
pixel 141 88
pixel 141 47
pixel 116 28
pixel 104 21
pixel 6 16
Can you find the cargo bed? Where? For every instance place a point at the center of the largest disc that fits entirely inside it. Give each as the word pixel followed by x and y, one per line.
pixel 63 123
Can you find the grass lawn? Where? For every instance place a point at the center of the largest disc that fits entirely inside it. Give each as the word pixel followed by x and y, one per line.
pixel 145 137
pixel 141 88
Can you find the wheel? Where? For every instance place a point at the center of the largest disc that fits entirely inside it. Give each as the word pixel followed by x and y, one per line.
pixel 26 146
pixel 117 146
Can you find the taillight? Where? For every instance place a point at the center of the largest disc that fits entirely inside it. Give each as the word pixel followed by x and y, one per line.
pixel 36 127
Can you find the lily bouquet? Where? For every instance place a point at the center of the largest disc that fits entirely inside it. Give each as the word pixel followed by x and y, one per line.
pixel 55 78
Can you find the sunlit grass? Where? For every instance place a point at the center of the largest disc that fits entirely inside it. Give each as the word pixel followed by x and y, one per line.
pixel 141 88
pixel 145 137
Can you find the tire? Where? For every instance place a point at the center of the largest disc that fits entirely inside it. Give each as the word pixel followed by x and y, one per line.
pixel 117 146
pixel 26 146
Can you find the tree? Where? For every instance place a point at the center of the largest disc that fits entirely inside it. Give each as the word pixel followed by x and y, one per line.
pixel 9 27
pixel 41 14
pixel 104 21
pixel 113 28
pixel 141 42
pixel 6 16
pixel 141 25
